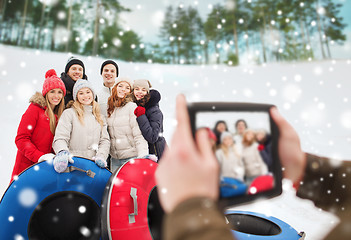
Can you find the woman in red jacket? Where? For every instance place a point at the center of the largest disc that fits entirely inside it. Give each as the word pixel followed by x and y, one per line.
pixel 37 127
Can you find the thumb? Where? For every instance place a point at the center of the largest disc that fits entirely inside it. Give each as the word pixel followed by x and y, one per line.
pixel 70 159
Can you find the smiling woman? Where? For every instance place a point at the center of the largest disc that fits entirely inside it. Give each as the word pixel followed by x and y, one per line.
pixel 82 129
pixel 37 127
pixel 127 141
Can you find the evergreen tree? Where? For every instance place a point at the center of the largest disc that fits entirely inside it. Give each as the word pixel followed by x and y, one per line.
pixel 333 25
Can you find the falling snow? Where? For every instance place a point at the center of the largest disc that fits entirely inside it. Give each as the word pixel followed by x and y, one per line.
pixel 312 96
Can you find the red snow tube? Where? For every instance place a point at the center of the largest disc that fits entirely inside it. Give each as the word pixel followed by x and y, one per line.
pixel 130 205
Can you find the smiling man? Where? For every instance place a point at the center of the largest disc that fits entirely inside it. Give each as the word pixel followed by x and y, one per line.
pixel 109 73
pixel 74 70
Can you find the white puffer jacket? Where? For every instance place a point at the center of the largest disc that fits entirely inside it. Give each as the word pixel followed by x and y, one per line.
pixel 102 98
pixel 126 138
pixel 86 140
pixel 254 164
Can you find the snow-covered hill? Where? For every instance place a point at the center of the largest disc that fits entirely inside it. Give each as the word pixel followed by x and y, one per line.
pixel 313 96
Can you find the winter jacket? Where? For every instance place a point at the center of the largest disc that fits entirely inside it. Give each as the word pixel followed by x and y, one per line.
pixel 126 138
pixel 102 97
pixel 69 84
pixel 34 137
pixel 231 165
pixel 332 194
pixel 254 165
pixel 86 140
pixel 327 183
pixel 195 219
pixel 238 140
pixel 265 150
pixel 151 124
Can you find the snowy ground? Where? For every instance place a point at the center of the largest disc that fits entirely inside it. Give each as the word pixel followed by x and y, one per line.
pixel 313 96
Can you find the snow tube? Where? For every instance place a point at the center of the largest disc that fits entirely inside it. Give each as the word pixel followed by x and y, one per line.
pixel 130 206
pixel 231 187
pixel 251 225
pixel 43 204
pixel 261 184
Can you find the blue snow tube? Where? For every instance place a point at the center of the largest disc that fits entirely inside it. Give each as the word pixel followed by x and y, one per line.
pixel 231 187
pixel 251 225
pixel 43 204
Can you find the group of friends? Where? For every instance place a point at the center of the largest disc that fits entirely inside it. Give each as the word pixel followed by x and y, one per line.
pixel 123 121
pixel 69 118
pixel 243 155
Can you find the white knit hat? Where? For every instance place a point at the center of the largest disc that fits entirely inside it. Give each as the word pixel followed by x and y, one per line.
pixel 225 134
pixel 81 83
pixel 143 83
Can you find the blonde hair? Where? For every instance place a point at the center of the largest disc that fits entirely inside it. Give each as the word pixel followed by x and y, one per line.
pixel 225 149
pixel 58 109
pixel 96 112
pixel 247 142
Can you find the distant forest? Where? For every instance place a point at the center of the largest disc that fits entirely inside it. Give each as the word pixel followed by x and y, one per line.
pixel 260 30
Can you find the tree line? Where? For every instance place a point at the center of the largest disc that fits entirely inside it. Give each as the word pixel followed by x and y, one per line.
pixel 256 30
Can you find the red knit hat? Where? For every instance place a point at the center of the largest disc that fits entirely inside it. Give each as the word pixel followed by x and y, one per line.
pixel 52 81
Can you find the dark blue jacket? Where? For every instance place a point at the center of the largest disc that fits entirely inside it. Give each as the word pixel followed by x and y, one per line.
pixel 151 124
pixel 266 153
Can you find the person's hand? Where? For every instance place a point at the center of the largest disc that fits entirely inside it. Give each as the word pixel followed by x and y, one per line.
pixel 188 169
pixel 61 161
pixel 46 157
pixel 292 158
pixel 139 111
pixel 100 161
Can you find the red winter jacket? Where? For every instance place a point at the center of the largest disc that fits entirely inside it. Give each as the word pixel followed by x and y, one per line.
pixel 34 137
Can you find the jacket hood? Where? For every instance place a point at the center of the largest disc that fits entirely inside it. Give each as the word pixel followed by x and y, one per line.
pixel 155 98
pixel 38 99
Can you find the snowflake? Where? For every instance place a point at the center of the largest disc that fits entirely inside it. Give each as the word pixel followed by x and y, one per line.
pixel 27 197
pixel 85 231
pixel 82 209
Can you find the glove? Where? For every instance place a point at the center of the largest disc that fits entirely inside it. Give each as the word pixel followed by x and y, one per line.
pixel 46 157
pixel 100 161
pixel 61 161
pixel 151 157
pixel 139 111
pixel 260 147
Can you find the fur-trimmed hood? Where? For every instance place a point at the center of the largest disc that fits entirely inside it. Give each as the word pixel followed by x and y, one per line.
pixel 39 100
pixel 155 98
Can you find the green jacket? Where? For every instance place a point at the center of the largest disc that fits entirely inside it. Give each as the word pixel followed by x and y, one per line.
pixel 327 183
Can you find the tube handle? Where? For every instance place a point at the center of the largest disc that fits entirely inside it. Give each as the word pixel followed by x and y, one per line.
pixel 133 194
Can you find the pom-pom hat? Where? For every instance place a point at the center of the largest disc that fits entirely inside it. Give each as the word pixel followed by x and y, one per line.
pixel 52 81
pixel 81 83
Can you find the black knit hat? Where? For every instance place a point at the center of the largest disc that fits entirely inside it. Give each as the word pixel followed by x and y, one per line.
pixel 109 62
pixel 71 61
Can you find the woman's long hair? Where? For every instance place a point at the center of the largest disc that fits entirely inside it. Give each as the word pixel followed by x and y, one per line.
pixel 96 112
pixel 58 109
pixel 247 142
pixel 142 102
pixel 114 101
pixel 225 150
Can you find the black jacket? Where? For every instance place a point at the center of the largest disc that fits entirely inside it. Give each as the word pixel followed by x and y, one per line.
pixel 151 125
pixel 69 84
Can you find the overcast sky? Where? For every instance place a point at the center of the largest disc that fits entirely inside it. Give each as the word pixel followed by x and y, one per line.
pixel 146 18
pixel 146 15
